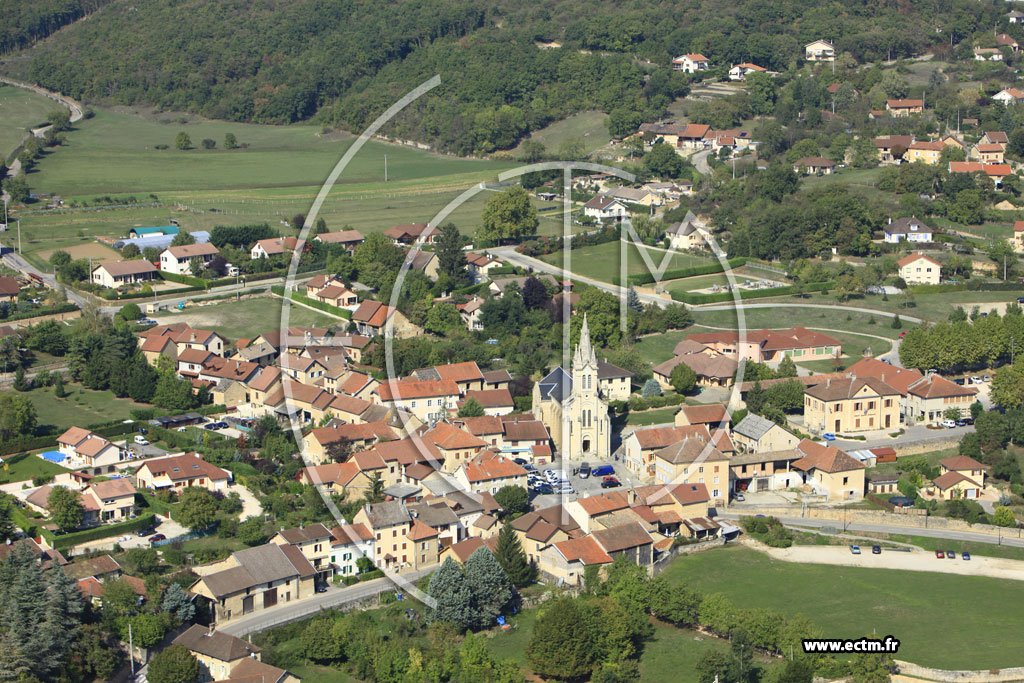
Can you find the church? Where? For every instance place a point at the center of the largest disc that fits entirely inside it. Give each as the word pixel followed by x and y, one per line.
pixel 574 407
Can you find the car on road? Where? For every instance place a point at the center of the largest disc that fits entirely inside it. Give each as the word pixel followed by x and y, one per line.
pixel 965 556
pixel 855 549
pixel 876 550
pixel 949 424
pixel 828 436
pixel 740 497
pixel 603 471
pixel 610 483
pixel 157 537
pixel 950 555
pixel 939 554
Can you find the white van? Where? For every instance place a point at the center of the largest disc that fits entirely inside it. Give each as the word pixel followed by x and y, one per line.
pixel 141 440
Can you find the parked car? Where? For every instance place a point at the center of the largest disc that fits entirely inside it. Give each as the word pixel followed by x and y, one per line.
pixel 960 380
pixel 182 429
pixel 855 549
pixel 610 483
pixel 519 461
pixel 949 424
pixel 876 550
pixel 1020 299
pixel 739 497
pixel 901 501
pixel 975 380
pixel 828 436
pixel 543 489
pixel 145 532
pixel 965 556
pixel 986 378
pixel 141 440
pixel 950 555
pixel 939 554
pixel 584 470
pixel 143 430
pixel 530 467
pixel 603 471
pixel 158 537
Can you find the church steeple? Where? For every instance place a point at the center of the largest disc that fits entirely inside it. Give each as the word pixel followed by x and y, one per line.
pixel 584 350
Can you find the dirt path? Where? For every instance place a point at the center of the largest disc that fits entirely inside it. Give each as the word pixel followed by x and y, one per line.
pixel 914 560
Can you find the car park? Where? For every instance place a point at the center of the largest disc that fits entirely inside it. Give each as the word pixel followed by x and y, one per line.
pixel 939 554
pixel 876 550
pixel 855 549
pixel 544 489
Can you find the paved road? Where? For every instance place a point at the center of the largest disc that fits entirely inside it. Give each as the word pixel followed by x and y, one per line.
pixel 1014 539
pixel 700 162
pixel 834 307
pixel 301 609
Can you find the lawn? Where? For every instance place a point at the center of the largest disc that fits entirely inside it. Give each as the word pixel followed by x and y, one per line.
pixel 24 466
pixel 657 348
pixel 246 318
pixel 652 417
pixel 941 620
pixel 699 282
pixel 673 654
pixel 588 127
pixel 80 407
pixel 20 110
pixel 864 178
pixel 855 347
pixel 604 261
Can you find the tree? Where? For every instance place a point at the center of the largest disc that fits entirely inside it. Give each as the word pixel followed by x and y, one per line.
pixel 142 561
pixel 298 220
pixel 182 141
pixel 489 586
pixel 177 602
pixel 209 143
pixel 508 215
pixel 230 141
pixel 514 500
pixel 742 653
pixel 651 388
pixel 561 645
pixel 535 294
pixel 147 630
pixel 18 188
pixel 1008 386
pixel 1003 516
pixel 182 239
pixel 509 554
pixel 6 523
pixel 198 508
pixel 130 251
pixel 375 493
pixel 451 260
pixel 532 151
pixel 20 382
pixel 443 318
pixel 65 508
pixel 58 386
pixel 714 666
pixel 318 642
pixel 787 368
pixel 683 379
pixel 454 598
pixel 1003 254
pixel 174 664
pixel 663 161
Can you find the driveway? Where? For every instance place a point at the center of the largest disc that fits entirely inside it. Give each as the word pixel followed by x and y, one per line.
pixel 250 504
pixel 167 527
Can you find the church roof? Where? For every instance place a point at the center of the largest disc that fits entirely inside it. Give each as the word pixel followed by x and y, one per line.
pixel 556 386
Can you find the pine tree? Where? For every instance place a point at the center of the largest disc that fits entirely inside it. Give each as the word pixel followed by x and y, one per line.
pixel 177 603
pixel 512 559
pixel 756 398
pixel 20 382
pixel 454 599
pixel 58 386
pixel 633 300
pixel 651 388
pixel 491 589
pixel 471 408
pixel 561 646
pixel 787 368
pixel 451 260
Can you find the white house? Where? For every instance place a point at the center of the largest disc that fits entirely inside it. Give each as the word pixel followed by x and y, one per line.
pixel 178 260
pixel 819 51
pixel 918 269
pixel 911 229
pixel 488 472
pixel 686 235
pixel 349 542
pixel 119 273
pixel 603 207
pixel 1009 96
pixel 740 71
pixel 86 449
pixel 273 246
pixel 988 54
pixel 691 63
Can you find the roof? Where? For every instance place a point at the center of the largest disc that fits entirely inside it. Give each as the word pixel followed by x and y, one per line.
pixel 388 513
pixel 888 141
pixel 74 436
pixel 263 564
pixel 456 372
pixel 340 237
pixel 815 162
pixel 121 268
pixel 609 371
pixel 250 670
pixel 9 286
pixel 847 387
pixel 825 458
pixel 904 104
pixel 304 534
pixel 492 398
pixel 94 566
pixel 932 145
pixel 907 260
pixel 191 250
pixel 997 136
pixel 332 473
pixel 961 462
pixel 420 531
pixel 277 245
pixel 464 549
pixel 906 225
pixel 618 538
pixel 347 534
pixel 702 365
pixel 367 431
pixel 749 66
pixel 215 644
pixel 659 437
pixel 497 376
pixel 603 503
pixel 753 426
pixel 899 379
pixel 689 450
pixel 936 386
pixel 406 389
pixel 684 494
pixel 489 466
pixel 449 437
pixel 184 466
pixel 997 170
pixel 372 313
pixel 601 202
pixel 410 231
pixel 990 147
pixel 951 479
pixel 585 550
pixel 113 488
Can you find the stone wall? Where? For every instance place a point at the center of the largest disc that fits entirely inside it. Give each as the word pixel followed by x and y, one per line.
pixel 989 676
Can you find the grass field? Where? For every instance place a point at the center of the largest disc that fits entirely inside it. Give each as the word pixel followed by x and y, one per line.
pixel 80 407
pixel 20 110
pixel 652 417
pixel 246 318
pixel 603 261
pixel 862 178
pixel 783 317
pixel 589 127
pixel 25 466
pixel 941 620
pixel 855 347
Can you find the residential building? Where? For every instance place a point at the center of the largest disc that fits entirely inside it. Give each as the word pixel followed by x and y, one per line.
pixel 178 260
pixel 851 405
pixel 274 246
pixel 181 471
pixel 997 137
pixel 988 54
pixel 712 370
pixel 918 269
pixel 604 207
pixel 470 313
pixel 819 51
pixel 86 449
pixel 814 165
pixel 113 499
pixel 1015 17
pixel 1008 96
pixel 892 148
pixel 319 443
pixel 429 400
pixel 1017 241
pixel 966 466
pixel 740 71
pixel 255 579
pixel 767 346
pixel 456 446
pixel 10 288
pixel 350 239
pixel 390 523
pixel 373 318
pixel 911 229
pixel 217 652
pixel 711 415
pixel 929 398
pixel 640 196
pixel 538 529
pixel 347 480
pixel 488 472
pixel 693 460
pixel 467 376
pixel 314 541
pixel 479 266
pixel 988 153
pixel 349 542
pixel 412 232
pixel 116 274
pixel 338 296
pixel 831 471
pixel 928 152
pixel 755 434
pixel 995 172
pixel 685 236
pixel 691 63
pixel 901 108
pixel 254 671
pixel 1003 40
pixel 952 486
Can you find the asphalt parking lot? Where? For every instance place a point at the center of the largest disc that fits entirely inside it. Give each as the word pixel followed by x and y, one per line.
pixel 583 487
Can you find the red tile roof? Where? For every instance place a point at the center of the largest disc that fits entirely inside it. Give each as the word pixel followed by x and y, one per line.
pixel 405 389
pixel 489 466
pixel 584 550
pixel 907 260
pixel 951 479
pixel 962 462
pixel 825 458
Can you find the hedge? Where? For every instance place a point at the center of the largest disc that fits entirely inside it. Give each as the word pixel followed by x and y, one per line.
pixel 677 273
pixel 114 295
pixel 970 286
pixel 33 443
pixel 41 311
pixel 370 575
pixel 106 531
pixel 719 297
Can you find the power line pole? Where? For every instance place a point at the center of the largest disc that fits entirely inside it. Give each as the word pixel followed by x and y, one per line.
pixel 385 168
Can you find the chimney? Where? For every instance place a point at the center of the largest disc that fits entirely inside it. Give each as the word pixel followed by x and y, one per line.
pixel 828 382
pixel 890 220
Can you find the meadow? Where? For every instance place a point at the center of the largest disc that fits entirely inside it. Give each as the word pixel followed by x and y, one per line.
pixel 246 318
pixel 603 261
pixel 20 110
pixel 589 128
pixel 80 407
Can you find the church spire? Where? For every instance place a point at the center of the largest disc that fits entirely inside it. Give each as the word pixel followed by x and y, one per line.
pixel 584 350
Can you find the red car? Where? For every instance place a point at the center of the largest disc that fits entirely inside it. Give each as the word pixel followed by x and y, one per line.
pixel 902 335
pixel 939 554
pixel 158 537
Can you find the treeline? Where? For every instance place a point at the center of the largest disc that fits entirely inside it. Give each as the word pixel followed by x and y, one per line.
pixel 964 343
pixel 23 23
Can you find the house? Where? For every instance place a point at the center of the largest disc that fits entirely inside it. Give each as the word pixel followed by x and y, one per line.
pixel 1009 96
pixel 391 524
pixel 740 71
pixel 274 246
pixel 425 262
pixel 854 404
pixel 493 401
pixel 951 140
pixel 693 460
pixel 766 346
pixel 929 398
pixel 373 318
pixel 466 375
pixel 586 511
pixel 641 445
pixel 966 466
pixel 114 274
pixel 178 260
pixel 819 51
pixel 411 232
pixel 603 207
pixel 883 484
pixel 1017 241
pixel 892 147
pixel 710 415
pixel 988 153
pixel 255 579
pixel 953 485
pixel 470 313
pixel 815 165
pixel 10 288
pixel 314 542
pixel 1015 17
pixel 460 552
pixel 538 529
pixel 114 499
pixel 89 449
pixel 181 471
pixel 831 471
pixel 566 562
pixel 429 400
pixel 203 340
pixel 349 542
pixel 988 54
pixel 995 172
pixel 479 266
pixel 639 196
pixel 46 557
pixel 927 152
pixel 918 269
pixel 318 443
pixel 350 239
pixel 488 472
pixel 685 235
pixel 901 108
pixel 996 137
pixel 456 446
pixel 691 63
pixel 755 434
pixel 911 229
pixel 217 652
pixel 711 370
pixel 499 285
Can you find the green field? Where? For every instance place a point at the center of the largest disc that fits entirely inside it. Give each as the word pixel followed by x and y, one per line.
pixel 25 466
pixel 80 407
pixel 652 417
pixel 783 316
pixel 603 261
pixel 20 110
pixel 589 127
pixel 659 347
pixel 855 178
pixel 246 318
pixel 941 620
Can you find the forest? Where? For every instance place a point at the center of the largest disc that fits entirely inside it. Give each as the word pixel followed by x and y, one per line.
pixel 342 62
